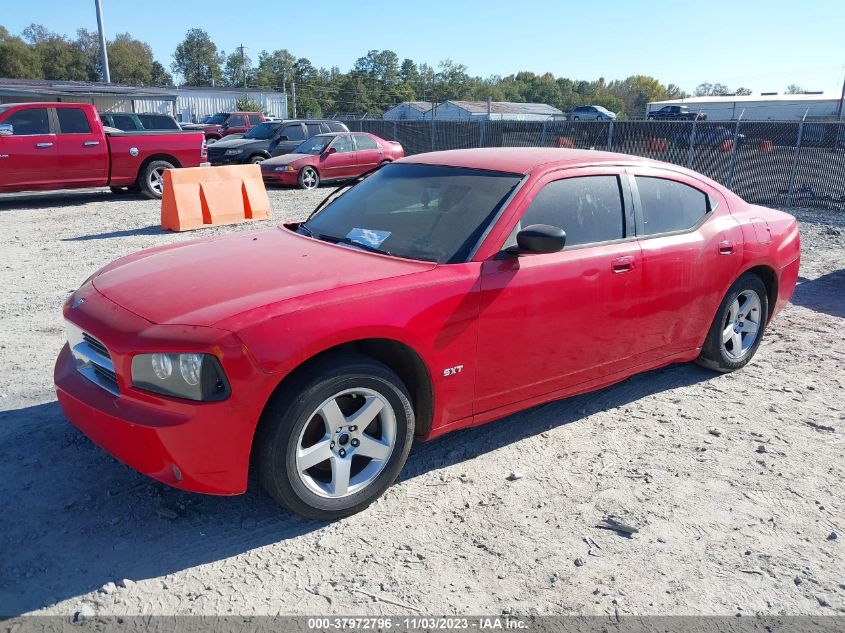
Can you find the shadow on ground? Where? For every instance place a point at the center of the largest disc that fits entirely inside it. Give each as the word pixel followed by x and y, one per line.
pixel 77 519
pixel 59 199
pixel 824 294
pixel 153 229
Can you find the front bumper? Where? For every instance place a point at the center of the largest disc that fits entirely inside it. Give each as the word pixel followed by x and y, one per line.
pixel 288 178
pixel 196 446
pixel 220 159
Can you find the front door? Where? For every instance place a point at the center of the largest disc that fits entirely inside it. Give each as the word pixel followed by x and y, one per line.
pixel 340 163
pixel 553 321
pixel 28 158
pixel 288 138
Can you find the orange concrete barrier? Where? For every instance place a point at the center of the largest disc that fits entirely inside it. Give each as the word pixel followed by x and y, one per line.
pixel 765 146
pixel 196 197
pixel 725 146
pixel 567 142
pixel 657 145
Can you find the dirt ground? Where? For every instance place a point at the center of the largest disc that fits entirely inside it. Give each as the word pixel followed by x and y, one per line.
pixel 735 482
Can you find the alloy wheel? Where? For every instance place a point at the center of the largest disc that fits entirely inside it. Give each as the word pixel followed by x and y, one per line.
pixel 741 325
pixel 346 443
pixel 157 180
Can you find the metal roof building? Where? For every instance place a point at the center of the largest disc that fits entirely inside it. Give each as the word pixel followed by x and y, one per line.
pixel 762 107
pixel 455 110
pixel 409 111
pixel 186 103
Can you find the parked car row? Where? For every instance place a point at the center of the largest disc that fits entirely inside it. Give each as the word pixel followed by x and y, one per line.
pixel 269 139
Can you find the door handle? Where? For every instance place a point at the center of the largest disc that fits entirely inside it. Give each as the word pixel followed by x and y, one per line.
pixel 91 143
pixel 726 247
pixel 43 145
pixel 622 264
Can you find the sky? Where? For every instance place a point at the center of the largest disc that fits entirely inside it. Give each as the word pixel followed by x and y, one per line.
pixel 764 46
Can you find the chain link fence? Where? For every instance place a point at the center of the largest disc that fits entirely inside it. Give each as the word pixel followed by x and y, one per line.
pixel 765 162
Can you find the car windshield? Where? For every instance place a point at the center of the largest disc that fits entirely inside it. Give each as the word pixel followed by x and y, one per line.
pixel 425 212
pixel 216 119
pixel 314 145
pixel 263 132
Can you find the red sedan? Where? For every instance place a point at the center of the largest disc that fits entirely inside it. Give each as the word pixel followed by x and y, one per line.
pixel 444 291
pixel 330 157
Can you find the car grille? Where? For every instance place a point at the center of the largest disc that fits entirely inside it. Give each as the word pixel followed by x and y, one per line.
pixel 92 359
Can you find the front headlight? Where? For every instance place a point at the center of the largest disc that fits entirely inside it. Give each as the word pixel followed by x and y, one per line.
pixel 285 168
pixel 233 152
pixel 191 376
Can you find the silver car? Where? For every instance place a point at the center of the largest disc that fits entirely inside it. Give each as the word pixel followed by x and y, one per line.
pixel 592 113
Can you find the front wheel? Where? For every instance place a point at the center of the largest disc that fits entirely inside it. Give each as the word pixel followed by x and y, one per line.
pixel 308 178
pixel 151 178
pixel 334 440
pixel 738 328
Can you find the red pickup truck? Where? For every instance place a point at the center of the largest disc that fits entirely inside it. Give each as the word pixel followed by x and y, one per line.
pixel 223 124
pixel 47 146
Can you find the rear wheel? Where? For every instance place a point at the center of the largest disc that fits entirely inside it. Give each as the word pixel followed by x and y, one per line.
pixel 334 440
pixel 308 178
pixel 254 160
pixel 738 328
pixel 151 178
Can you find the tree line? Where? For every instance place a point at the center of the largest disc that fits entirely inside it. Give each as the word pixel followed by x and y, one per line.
pixel 376 82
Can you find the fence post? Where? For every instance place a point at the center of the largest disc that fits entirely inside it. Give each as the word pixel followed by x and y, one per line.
pixel 432 131
pixel 691 152
pixel 481 133
pixel 730 178
pixel 794 171
pixel 610 135
pixel 543 134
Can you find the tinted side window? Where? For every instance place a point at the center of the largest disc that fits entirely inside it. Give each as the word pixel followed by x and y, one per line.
pixel 254 119
pixel 34 121
pixel 73 121
pixel 157 122
pixel 314 129
pixel 294 132
pixel 123 122
pixel 236 121
pixel 334 126
pixel 362 141
pixel 588 208
pixel 669 205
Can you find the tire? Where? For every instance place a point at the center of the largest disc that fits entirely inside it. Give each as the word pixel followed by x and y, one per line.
pixel 732 341
pixel 575 118
pixel 150 179
pixel 122 191
pixel 254 160
pixel 308 178
pixel 649 118
pixel 292 424
pixel 211 139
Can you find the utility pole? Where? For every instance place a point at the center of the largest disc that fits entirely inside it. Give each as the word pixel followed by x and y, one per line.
pixel 104 54
pixel 293 96
pixel 243 62
pixel 841 101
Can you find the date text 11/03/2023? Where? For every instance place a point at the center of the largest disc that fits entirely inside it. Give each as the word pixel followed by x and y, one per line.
pixel 417 623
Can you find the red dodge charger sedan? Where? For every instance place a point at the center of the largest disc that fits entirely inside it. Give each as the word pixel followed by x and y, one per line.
pixel 443 291
pixel 327 157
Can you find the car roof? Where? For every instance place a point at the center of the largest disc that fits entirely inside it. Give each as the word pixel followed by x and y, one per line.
pixel 522 160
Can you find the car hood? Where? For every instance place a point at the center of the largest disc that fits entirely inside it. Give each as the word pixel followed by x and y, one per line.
pixel 285 159
pixel 206 281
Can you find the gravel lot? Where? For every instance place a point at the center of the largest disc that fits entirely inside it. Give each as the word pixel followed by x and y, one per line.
pixel 735 482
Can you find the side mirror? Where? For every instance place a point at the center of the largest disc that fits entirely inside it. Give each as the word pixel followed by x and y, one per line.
pixel 331 150
pixel 537 239
pixel 6 129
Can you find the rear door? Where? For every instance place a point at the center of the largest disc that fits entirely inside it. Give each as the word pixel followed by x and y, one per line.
pixel 553 321
pixel 235 124
pixel 84 157
pixel 289 138
pixel 368 153
pixel 28 158
pixel 691 253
